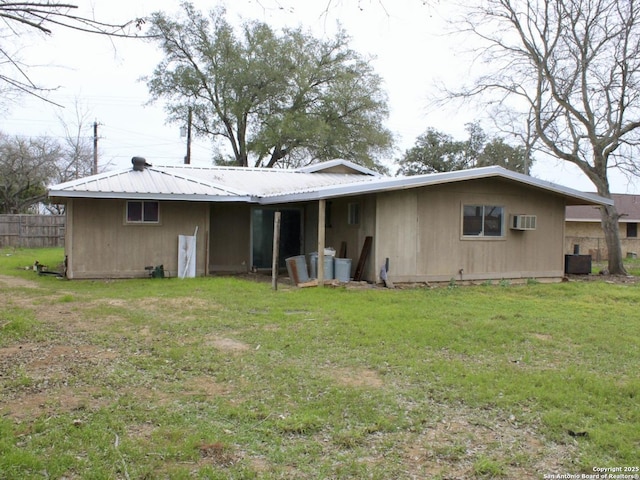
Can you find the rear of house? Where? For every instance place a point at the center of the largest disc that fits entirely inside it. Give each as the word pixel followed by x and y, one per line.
pixel 475 225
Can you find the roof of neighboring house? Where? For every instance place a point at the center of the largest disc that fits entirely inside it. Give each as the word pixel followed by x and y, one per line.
pixel 326 180
pixel 628 207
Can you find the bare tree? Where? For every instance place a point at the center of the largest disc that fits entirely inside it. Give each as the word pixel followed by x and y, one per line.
pixel 77 146
pixel 324 7
pixel 573 67
pixel 26 167
pixel 20 18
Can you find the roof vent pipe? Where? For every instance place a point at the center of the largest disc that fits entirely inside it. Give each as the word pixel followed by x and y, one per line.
pixel 139 163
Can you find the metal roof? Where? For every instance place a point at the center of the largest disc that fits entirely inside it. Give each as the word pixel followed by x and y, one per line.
pixel 262 182
pixel 344 166
pixel 272 186
pixel 150 183
pixel 382 184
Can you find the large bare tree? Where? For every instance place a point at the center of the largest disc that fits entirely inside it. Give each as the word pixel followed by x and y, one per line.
pixel 573 67
pixel 21 18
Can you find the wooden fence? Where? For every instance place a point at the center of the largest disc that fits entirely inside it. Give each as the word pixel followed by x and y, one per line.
pixel 32 231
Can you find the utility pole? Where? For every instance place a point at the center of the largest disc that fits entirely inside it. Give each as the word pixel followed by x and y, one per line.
pixel 187 158
pixel 94 170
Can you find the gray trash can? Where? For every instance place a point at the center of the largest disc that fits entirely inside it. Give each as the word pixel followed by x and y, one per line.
pixel 342 269
pixel 328 266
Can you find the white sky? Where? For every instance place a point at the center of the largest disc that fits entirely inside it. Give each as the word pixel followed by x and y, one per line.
pixel 407 39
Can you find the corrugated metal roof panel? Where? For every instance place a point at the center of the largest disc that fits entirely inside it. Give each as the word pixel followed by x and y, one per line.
pixel 148 181
pixel 271 186
pixel 267 181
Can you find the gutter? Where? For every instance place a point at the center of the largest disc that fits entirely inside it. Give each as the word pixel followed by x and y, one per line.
pixel 153 196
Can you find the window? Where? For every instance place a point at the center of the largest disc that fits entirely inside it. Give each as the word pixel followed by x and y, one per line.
pixel 632 230
pixel 353 214
pixel 142 212
pixel 482 221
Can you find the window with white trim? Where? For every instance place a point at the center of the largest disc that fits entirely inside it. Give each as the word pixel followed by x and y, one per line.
pixel 143 211
pixel 483 221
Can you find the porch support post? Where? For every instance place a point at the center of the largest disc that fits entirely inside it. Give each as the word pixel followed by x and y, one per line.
pixel 276 250
pixel 321 239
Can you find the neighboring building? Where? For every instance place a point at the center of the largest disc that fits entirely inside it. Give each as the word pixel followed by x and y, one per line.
pixel 472 225
pixel 584 232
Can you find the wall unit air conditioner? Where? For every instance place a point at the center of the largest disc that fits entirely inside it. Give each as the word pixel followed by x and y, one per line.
pixel 523 222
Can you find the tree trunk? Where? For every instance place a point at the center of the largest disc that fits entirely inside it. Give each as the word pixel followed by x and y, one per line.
pixel 608 217
pixel 612 238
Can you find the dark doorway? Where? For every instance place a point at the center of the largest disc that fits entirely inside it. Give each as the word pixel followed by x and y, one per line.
pixel 262 236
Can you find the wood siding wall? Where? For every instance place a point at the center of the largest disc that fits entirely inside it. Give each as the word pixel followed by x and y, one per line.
pixel 32 231
pixel 230 243
pixel 420 231
pixel 100 244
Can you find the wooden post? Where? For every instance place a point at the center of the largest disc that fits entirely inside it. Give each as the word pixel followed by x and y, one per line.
pixel 276 249
pixel 321 240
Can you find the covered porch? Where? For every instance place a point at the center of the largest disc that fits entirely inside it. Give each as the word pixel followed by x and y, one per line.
pixel 241 236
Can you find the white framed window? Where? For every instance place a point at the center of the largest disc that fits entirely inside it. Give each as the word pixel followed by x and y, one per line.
pixel 353 214
pixel 143 211
pixel 483 221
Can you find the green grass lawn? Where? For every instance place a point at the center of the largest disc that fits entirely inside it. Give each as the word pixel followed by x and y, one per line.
pixel 220 378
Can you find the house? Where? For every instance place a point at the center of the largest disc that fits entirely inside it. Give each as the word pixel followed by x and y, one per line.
pixel 584 232
pixel 471 225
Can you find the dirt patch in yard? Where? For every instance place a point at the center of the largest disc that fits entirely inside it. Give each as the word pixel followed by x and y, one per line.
pixel 15 282
pixel 452 446
pixel 204 385
pixel 41 378
pixel 358 377
pixel 226 344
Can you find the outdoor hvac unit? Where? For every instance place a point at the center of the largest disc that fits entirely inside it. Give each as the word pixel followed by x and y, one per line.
pixel 523 222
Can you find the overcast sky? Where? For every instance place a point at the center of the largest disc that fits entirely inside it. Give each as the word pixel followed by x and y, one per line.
pixel 412 53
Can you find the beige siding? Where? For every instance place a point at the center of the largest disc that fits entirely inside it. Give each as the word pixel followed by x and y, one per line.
pixel 100 244
pixel 397 237
pixel 420 231
pixel 230 242
pixel 353 236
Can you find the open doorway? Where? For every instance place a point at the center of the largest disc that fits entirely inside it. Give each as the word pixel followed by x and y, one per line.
pixel 291 238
